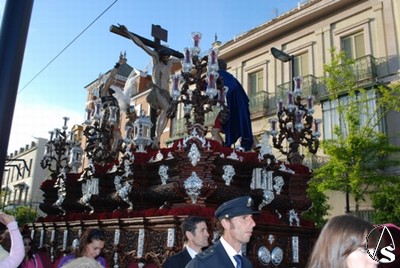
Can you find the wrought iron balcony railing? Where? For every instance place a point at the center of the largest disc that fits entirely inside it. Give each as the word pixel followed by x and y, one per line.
pixel 365 72
pixel 309 84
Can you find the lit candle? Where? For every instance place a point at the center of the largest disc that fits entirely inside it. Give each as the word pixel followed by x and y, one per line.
pixel 309 102
pixel 187 60
pixel 175 90
pixel 51 135
pixel 280 106
pixel 212 61
pixel 196 36
pixel 88 115
pixel 65 122
pixel 289 98
pixel 272 122
pixel 211 90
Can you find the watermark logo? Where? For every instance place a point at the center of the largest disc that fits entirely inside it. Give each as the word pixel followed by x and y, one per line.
pixel 382 247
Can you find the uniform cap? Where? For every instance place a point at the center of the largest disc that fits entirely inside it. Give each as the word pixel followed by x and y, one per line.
pixel 236 207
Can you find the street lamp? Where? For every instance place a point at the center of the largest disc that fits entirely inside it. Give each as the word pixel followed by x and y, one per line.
pixel 295 123
pixel 284 57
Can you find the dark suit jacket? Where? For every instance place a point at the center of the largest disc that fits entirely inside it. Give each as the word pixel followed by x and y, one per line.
pixel 215 257
pixel 177 260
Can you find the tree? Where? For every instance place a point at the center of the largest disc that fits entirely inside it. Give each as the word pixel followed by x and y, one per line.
pixel 359 155
pixel 23 215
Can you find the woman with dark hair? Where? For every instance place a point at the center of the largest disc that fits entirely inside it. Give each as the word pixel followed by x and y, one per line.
pixel 343 244
pixel 91 244
pixel 31 259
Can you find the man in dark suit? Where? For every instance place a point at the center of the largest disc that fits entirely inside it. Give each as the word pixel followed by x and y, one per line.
pixel 195 238
pixel 235 223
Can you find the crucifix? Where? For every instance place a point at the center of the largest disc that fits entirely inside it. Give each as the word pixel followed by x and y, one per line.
pixel 159 97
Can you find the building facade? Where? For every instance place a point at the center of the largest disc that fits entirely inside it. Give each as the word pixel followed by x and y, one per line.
pixel 367 30
pixel 23 176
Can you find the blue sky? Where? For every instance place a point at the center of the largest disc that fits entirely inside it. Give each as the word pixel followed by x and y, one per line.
pixel 59 89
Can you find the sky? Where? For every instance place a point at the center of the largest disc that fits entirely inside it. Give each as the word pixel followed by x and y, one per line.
pixel 69 45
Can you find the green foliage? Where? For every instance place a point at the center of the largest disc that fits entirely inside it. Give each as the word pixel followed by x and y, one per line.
pixel 386 202
pixel 23 215
pixel 390 97
pixel 320 206
pixel 359 155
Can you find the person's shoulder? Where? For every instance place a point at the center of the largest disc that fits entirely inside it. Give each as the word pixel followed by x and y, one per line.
pixel 207 254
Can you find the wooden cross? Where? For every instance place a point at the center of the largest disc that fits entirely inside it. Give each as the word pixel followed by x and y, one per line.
pixel 159 34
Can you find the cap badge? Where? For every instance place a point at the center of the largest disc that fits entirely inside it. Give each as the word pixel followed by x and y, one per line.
pixel 249 201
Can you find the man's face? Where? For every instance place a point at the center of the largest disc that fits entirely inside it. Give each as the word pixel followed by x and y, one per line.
pixel 165 59
pixel 241 228
pixel 201 235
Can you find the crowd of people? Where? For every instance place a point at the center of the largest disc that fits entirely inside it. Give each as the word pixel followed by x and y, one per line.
pixel 345 241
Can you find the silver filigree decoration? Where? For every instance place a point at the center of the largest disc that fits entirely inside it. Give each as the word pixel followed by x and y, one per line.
pixel 65 239
pixel 171 237
pixel 195 135
pixel 216 236
pixel 140 243
pixel 170 156
pixel 163 172
pixel 229 172
pixel 264 256
pixel 52 238
pixel 279 214
pixel 268 196
pixel 233 156
pixel 244 249
pixel 271 239
pixel 276 256
pixel 293 217
pixel 123 190
pixel 278 184
pixel 256 179
pixel 179 146
pixel 75 244
pixel 284 168
pixel 89 187
pixel 267 177
pixel 193 185
pixel 264 146
pixel 194 154
pixel 295 249
pixel 117 234
pixel 41 241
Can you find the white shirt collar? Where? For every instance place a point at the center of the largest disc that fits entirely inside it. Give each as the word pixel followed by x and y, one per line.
pixel 191 251
pixel 230 250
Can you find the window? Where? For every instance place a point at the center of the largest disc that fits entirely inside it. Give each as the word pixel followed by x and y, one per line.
pixel 256 82
pixel 354 45
pixel 332 118
pixel 30 167
pixel 301 65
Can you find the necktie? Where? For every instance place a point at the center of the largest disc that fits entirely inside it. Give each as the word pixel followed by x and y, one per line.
pixel 238 259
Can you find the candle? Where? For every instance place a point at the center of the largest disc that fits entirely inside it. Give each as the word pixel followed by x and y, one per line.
pixel 309 102
pixel 187 60
pixel 280 106
pixel 289 98
pixel 211 90
pixel 196 36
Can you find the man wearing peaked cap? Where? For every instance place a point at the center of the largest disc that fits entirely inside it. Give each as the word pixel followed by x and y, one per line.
pixel 235 223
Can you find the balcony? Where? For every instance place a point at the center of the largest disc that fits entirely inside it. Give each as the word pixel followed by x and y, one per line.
pixel 365 72
pixel 309 83
pixel 259 104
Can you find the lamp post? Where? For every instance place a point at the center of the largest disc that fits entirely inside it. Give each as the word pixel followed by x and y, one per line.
pixel 295 123
pixel 284 57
